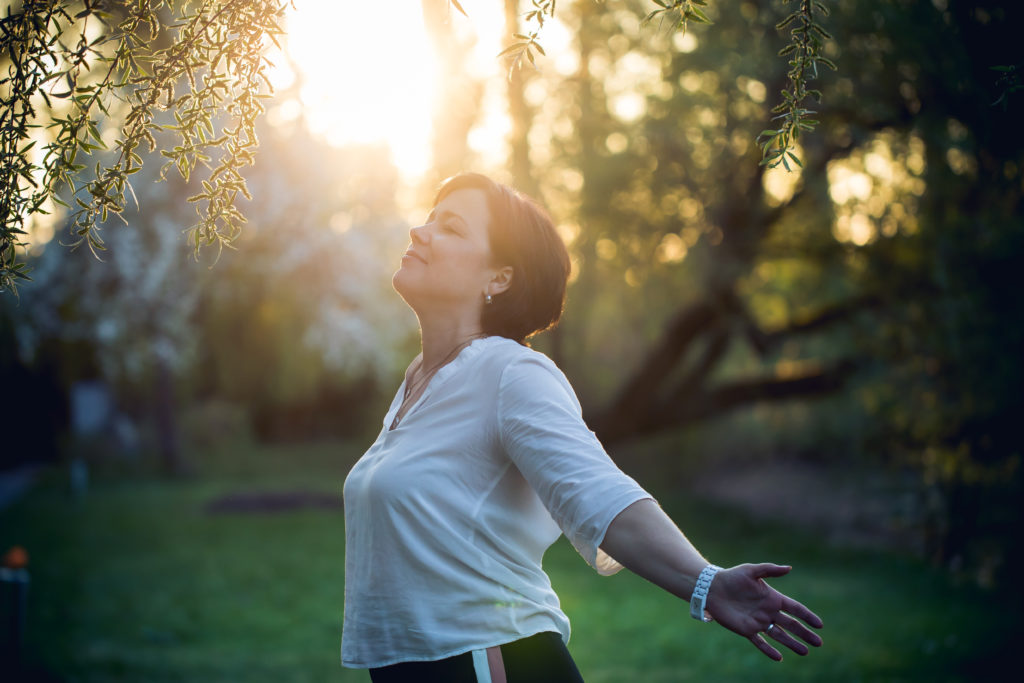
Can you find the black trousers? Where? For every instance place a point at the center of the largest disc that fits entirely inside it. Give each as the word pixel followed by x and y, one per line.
pixel 540 658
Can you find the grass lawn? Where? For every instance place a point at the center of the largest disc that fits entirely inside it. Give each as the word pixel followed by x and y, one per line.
pixel 138 581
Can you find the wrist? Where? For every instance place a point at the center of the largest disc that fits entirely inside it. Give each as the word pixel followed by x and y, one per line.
pixel 698 601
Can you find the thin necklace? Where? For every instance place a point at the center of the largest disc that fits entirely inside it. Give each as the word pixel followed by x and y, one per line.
pixel 425 377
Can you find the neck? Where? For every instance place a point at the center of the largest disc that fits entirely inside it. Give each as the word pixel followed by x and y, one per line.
pixel 439 339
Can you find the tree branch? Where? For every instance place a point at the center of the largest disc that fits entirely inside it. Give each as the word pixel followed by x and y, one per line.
pixel 765 341
pixel 702 368
pixel 644 384
pixel 729 396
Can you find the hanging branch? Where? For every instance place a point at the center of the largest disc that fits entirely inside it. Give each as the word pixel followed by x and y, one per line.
pixel 527 43
pixel 679 12
pixel 804 50
pixel 73 64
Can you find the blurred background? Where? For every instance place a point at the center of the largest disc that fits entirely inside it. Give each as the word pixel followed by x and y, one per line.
pixel 819 366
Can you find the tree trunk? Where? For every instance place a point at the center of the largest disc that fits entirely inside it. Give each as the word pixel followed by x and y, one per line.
pixel 171 458
pixel 520 114
pixel 459 108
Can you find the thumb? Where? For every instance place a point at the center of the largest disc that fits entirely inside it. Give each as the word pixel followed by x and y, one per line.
pixel 767 569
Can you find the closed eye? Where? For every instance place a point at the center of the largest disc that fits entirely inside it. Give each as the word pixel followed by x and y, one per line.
pixel 449 221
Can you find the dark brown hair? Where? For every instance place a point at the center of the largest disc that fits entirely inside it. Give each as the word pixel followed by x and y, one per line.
pixel 523 236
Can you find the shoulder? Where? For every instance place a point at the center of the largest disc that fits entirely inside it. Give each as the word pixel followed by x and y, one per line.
pixel 513 366
pixel 528 376
pixel 512 358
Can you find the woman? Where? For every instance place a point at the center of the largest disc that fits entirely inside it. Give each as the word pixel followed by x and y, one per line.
pixel 484 460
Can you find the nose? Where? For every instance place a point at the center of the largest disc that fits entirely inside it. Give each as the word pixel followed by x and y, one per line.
pixel 420 234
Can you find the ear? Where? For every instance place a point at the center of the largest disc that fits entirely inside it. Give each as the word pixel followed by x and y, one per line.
pixel 500 281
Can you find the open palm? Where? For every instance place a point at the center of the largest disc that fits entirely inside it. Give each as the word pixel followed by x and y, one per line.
pixel 741 601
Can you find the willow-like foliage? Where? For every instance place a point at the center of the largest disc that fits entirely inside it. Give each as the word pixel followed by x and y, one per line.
pixel 803 53
pixel 184 77
pixel 180 77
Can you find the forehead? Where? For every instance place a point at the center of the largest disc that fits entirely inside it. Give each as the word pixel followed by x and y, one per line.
pixel 468 203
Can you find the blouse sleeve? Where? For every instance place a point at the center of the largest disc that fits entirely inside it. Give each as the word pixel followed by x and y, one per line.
pixel 541 428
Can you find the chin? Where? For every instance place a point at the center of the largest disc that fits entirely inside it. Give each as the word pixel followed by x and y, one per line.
pixel 400 283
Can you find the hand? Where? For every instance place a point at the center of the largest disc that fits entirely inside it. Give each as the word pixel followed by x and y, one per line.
pixel 741 601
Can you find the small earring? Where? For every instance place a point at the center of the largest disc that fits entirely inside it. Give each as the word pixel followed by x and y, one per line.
pixel 488 299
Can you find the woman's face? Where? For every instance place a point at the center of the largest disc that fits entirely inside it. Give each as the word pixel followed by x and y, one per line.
pixel 448 266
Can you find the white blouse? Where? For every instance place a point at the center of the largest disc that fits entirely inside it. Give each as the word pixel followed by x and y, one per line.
pixel 447 517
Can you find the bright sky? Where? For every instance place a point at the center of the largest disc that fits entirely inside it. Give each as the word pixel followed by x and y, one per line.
pixel 369 71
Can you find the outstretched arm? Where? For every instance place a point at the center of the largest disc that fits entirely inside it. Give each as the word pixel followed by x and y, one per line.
pixel 648 543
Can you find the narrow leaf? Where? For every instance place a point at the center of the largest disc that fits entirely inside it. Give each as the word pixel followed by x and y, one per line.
pixel 458 7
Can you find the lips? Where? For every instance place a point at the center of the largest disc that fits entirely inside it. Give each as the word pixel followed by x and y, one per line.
pixel 412 254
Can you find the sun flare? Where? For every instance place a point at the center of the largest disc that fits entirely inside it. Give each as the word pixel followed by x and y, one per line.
pixel 367 72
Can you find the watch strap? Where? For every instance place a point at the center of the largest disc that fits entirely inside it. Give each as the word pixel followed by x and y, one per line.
pixel 700 592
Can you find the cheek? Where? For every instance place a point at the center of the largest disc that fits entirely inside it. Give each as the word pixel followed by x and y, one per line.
pixel 474 274
pixel 466 265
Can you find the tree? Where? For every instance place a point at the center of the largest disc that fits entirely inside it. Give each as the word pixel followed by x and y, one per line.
pixel 154 66
pixel 459 109
pixel 882 267
pixel 170 66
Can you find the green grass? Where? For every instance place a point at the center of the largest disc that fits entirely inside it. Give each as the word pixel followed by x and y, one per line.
pixel 137 582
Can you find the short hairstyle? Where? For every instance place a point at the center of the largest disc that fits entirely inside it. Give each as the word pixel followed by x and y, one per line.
pixel 523 236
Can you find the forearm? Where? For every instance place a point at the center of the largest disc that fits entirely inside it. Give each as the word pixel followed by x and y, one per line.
pixel 647 542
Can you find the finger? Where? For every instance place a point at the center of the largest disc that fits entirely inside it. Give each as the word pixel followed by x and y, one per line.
pixel 765 648
pixel 798 629
pixel 779 634
pixel 797 609
pixel 767 569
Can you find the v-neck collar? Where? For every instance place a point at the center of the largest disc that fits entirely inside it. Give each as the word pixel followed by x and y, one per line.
pixel 463 357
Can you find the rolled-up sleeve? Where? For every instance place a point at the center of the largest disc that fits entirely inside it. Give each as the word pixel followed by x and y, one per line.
pixel 541 428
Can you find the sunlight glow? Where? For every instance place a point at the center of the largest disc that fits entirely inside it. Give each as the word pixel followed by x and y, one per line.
pixel 875 189
pixel 780 183
pixel 366 73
